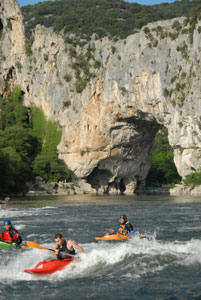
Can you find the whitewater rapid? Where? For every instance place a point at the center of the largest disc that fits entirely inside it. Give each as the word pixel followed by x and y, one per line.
pixel 134 258
pixel 165 265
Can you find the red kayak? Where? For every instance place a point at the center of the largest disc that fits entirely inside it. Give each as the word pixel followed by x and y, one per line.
pixel 50 266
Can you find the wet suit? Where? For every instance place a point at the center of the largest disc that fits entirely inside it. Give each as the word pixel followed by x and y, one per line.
pixel 11 236
pixel 64 251
pixel 125 228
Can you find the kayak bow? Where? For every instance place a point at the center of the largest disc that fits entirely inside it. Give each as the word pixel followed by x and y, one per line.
pixel 50 266
pixel 9 245
pixel 5 245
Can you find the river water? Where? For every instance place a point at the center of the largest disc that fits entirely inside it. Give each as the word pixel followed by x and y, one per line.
pixel 165 266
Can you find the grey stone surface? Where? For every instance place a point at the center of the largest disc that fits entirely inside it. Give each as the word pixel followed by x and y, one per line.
pixel 144 82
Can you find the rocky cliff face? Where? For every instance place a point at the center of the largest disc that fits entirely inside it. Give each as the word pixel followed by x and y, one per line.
pixel 111 98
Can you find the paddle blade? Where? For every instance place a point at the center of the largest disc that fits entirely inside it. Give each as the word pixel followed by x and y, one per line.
pixel 142 236
pixel 24 247
pixel 35 245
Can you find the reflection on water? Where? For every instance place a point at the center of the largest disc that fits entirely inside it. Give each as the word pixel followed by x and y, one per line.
pixel 41 201
pixel 167 265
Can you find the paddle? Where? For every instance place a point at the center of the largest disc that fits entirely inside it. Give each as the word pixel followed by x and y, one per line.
pixel 35 245
pixel 5 242
pixel 143 236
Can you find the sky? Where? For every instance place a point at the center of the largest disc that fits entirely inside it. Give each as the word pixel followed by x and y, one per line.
pixel 145 2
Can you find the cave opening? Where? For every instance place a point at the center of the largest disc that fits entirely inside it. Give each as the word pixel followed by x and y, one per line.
pixel 143 159
pixel 1 28
pixel 163 171
pixel 8 82
pixel 99 178
pixel 126 168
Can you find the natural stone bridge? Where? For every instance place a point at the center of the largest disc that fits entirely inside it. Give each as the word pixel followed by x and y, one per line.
pixel 136 86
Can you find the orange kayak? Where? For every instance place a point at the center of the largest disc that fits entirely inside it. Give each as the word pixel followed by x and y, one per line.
pixel 117 237
pixel 50 266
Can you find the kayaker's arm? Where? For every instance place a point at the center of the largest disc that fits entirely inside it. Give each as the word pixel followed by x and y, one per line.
pixel 113 231
pixel 117 230
pixel 16 238
pixel 18 241
pixel 74 245
pixel 55 251
pixel 129 227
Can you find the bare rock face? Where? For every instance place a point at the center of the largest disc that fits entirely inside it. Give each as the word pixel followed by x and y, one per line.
pixel 111 114
pixel 180 189
pixel 12 44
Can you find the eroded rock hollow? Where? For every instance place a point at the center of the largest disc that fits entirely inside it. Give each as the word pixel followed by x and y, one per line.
pixel 109 122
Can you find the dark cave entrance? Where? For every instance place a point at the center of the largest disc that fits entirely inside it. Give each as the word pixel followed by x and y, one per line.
pixel 132 141
pixel 8 82
pixel 163 171
pixel 148 149
pixel 1 28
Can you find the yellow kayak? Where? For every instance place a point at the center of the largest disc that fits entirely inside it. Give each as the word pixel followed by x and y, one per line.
pixel 118 237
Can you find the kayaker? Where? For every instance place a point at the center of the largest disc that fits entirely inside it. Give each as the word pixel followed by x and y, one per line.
pixel 125 227
pixel 64 248
pixel 10 234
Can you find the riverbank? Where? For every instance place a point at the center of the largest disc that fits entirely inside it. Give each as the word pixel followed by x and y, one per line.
pixel 81 187
pixel 180 189
pixel 40 187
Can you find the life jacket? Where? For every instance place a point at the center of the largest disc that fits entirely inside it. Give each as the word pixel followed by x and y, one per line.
pixel 122 229
pixel 125 228
pixel 11 236
pixel 64 251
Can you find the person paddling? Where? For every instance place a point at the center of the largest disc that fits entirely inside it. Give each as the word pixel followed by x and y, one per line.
pixel 10 234
pixel 64 248
pixel 125 227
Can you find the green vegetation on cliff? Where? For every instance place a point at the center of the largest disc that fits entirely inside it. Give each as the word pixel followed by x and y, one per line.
pixel 113 18
pixel 163 170
pixel 193 179
pixel 48 132
pixel 47 164
pixel 28 146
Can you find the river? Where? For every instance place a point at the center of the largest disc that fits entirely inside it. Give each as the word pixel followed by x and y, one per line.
pixel 165 266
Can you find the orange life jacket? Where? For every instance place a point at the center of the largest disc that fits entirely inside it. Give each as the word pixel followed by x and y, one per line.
pixel 122 229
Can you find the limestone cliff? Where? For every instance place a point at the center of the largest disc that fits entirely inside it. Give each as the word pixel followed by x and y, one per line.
pixel 111 98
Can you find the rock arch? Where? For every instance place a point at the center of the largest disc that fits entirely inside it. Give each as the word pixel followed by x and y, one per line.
pixel 126 168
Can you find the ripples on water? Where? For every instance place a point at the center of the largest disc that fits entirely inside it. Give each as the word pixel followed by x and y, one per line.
pixel 165 266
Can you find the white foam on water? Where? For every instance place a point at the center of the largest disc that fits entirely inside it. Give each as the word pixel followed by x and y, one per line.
pixel 10 213
pixel 194 248
pixel 49 207
pixel 23 259
pixel 135 258
pixel 19 226
pixel 145 256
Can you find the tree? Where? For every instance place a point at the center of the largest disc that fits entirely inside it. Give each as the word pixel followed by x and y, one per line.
pixel 28 146
pixel 163 170
pixel 51 168
pixel 105 18
pixel 14 172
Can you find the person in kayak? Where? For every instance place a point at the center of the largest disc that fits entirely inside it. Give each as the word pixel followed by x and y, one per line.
pixel 10 234
pixel 125 227
pixel 64 248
